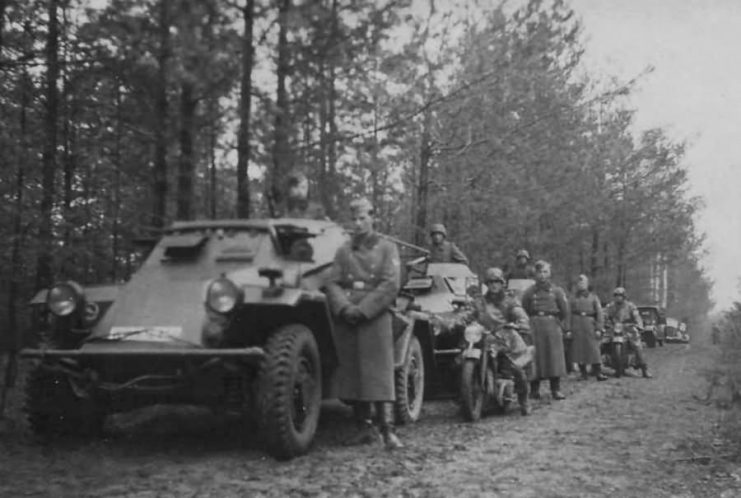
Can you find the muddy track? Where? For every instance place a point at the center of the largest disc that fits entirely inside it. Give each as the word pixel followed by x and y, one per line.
pixel 623 437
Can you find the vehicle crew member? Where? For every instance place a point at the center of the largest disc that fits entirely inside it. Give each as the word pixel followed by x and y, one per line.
pixel 297 203
pixel 620 310
pixel 548 309
pixel 587 327
pixel 442 250
pixel 363 283
pixel 522 269
pixel 502 314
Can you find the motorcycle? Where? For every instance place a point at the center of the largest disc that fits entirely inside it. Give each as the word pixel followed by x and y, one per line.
pixel 482 385
pixel 616 350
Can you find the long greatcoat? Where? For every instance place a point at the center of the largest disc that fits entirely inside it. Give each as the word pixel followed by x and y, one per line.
pixel 548 309
pixel 586 320
pixel 365 273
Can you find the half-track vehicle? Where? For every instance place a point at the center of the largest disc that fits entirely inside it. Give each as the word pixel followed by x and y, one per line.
pixel 229 314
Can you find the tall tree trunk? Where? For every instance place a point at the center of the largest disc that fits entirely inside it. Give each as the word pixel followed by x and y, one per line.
pixel 593 256
pixel 423 185
pixel 245 109
pixel 281 153
pixel 116 186
pixel 14 331
pixel 186 170
pixel 159 173
pixel 48 157
pixel 329 190
pixel 3 6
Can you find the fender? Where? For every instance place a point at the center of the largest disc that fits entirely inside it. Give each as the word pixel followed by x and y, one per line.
pixel 401 344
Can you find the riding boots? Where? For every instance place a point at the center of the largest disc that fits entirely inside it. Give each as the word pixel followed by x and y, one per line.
pixel 385 412
pixel 556 388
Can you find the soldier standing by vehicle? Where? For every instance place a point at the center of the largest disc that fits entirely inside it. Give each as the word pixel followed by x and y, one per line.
pixel 587 326
pixel 502 314
pixel 442 250
pixel 522 269
pixel 620 310
pixel 297 203
pixel 363 284
pixel 546 305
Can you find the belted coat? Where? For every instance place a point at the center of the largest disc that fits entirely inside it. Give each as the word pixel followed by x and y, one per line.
pixel 365 273
pixel 548 309
pixel 586 320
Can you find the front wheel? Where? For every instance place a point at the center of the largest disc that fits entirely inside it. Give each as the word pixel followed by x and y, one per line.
pixel 290 391
pixel 410 384
pixel 617 359
pixel 471 391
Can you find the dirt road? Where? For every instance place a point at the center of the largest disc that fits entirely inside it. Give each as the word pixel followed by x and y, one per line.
pixel 623 437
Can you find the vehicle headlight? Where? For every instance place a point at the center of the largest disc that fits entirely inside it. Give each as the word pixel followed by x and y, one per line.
pixel 473 333
pixel 65 298
pixel 222 295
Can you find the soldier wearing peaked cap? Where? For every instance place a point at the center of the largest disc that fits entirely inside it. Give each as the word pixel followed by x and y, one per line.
pixel 363 284
pixel 442 250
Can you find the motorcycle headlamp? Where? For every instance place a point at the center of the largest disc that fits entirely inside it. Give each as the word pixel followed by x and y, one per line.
pixel 222 295
pixel 473 333
pixel 65 298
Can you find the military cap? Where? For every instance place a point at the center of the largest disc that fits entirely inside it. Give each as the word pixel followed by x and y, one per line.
pixel 493 274
pixel 619 291
pixel 361 205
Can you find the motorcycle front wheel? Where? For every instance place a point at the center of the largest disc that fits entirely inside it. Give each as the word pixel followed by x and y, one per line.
pixel 472 392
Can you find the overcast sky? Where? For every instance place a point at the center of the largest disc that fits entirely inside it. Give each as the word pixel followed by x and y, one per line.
pixel 694 93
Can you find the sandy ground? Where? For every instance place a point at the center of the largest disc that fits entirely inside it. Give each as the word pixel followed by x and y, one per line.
pixel 624 437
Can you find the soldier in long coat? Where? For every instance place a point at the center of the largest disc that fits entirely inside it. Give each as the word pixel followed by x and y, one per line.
pixel 363 284
pixel 548 309
pixel 443 250
pixel 587 326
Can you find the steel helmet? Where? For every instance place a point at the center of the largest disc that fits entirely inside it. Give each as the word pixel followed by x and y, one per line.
pixel 493 274
pixel 619 291
pixel 523 253
pixel 438 228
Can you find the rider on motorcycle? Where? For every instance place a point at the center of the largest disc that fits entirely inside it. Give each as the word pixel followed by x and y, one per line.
pixel 621 310
pixel 503 315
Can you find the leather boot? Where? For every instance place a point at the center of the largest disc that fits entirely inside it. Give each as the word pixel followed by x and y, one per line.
pixel 535 389
pixel 583 371
pixel 556 389
pixel 597 370
pixel 524 404
pixel 366 432
pixel 386 415
pixel 646 373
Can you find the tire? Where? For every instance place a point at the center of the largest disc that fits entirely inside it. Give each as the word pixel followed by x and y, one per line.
pixel 472 392
pixel 53 409
pixel 410 384
pixel 617 359
pixel 289 391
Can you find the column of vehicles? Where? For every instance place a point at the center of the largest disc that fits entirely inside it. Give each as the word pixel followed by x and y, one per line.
pixel 230 314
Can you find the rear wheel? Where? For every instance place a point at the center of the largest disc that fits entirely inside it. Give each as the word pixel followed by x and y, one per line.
pixel 290 391
pixel 54 409
pixel 472 392
pixel 410 384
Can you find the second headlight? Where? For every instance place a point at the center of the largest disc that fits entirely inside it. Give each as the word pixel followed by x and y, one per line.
pixel 222 295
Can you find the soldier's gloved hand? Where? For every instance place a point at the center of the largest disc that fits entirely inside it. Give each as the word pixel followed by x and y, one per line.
pixel 599 333
pixel 567 334
pixel 352 315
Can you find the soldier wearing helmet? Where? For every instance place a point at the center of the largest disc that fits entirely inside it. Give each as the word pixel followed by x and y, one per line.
pixel 522 269
pixel 494 310
pixel 621 310
pixel 442 250
pixel 297 203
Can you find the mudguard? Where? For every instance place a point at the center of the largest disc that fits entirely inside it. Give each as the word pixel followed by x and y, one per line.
pixel 401 342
